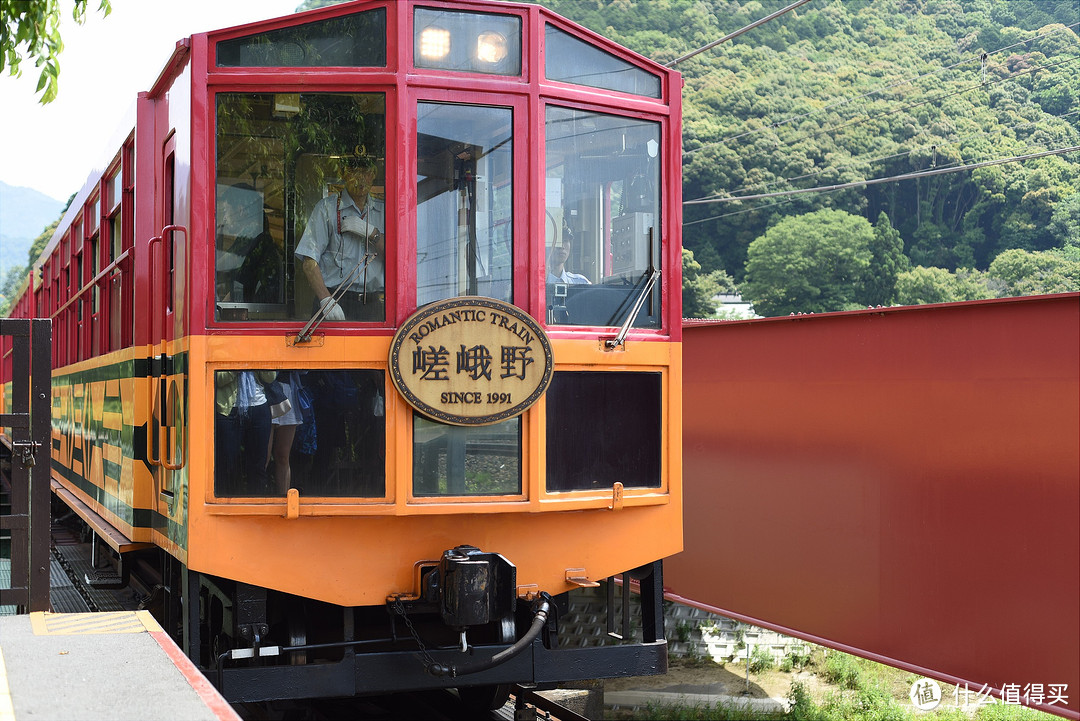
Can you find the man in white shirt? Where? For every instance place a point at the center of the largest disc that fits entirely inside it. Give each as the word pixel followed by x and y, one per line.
pixel 345 228
pixel 556 269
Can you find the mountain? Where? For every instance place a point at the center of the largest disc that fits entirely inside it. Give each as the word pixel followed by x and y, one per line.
pixel 838 92
pixel 24 213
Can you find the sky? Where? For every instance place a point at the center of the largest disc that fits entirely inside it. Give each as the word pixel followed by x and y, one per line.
pixel 106 62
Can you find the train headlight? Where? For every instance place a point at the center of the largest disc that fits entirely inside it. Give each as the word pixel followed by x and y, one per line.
pixel 434 43
pixel 490 47
pixel 468 42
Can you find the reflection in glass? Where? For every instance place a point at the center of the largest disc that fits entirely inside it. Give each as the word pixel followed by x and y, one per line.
pixel 466 460
pixel 321 432
pixel 279 155
pixel 570 60
pixel 603 428
pixel 464 210
pixel 357 40
pixel 602 224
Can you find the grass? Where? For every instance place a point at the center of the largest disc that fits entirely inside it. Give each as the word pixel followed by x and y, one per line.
pixel 859 690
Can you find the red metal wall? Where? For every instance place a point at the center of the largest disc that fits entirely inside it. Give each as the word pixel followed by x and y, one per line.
pixel 903 484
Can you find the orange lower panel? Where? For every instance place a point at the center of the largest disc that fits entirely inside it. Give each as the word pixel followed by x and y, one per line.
pixel 904 484
pixel 361 560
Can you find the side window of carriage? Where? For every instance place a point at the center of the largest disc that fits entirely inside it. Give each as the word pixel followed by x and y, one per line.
pixel 602 218
pixel 300 206
pixel 322 432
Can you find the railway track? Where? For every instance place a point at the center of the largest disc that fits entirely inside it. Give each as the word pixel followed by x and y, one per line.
pixel 441 705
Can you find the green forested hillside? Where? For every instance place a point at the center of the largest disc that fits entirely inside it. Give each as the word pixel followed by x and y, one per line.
pixel 839 91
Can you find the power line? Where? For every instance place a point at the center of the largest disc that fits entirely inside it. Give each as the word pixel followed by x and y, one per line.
pixel 737 33
pixel 877 181
pixel 846 101
pixel 915 105
pixel 856 159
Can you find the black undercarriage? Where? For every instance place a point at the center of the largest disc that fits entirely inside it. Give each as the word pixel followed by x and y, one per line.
pixel 259 645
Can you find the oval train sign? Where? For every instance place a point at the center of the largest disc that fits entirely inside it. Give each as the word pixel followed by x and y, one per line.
pixel 471 361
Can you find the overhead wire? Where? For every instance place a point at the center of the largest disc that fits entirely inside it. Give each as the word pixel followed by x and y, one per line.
pixel 788 196
pixel 737 33
pixel 942 170
pixel 868 161
pixel 893 178
pixel 894 111
pixel 924 102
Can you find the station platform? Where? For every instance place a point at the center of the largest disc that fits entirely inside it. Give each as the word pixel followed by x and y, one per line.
pixel 112 666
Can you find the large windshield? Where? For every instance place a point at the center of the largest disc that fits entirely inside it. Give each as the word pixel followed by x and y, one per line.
pixel 602 217
pixel 464 202
pixel 300 193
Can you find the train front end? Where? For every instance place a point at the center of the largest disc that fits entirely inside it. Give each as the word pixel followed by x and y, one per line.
pixel 415 351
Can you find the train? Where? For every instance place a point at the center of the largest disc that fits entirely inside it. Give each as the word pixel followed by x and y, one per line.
pixel 367 350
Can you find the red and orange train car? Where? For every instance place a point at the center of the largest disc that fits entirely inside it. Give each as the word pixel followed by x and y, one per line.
pixel 495 423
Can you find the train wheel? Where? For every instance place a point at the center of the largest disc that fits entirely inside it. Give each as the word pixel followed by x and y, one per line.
pixel 490 698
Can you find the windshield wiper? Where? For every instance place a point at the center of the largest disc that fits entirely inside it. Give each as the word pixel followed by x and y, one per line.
pixel 320 315
pixel 613 343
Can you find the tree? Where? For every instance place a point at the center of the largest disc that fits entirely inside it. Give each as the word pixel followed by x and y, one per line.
pixel 887 260
pixel 1065 225
pixel 937 285
pixel 815 262
pixel 699 287
pixel 30 29
pixel 1027 273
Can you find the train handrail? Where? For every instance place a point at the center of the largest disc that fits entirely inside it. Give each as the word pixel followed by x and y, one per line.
pixel 166 458
pixel 152 444
pixel 151 285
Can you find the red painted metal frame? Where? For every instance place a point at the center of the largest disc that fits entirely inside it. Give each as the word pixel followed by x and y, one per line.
pixel 405 86
pixel 903 484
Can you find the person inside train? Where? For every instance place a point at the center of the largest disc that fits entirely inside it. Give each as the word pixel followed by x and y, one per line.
pixel 242 431
pixel 556 265
pixel 344 243
pixel 284 427
pixel 248 266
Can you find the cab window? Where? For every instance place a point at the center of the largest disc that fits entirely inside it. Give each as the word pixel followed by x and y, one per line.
pixel 288 166
pixel 602 219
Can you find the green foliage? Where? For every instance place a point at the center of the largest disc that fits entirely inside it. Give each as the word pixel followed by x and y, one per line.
pixel 13 280
pixel 761 660
pixel 938 285
pixel 1034 273
pixel 811 264
pixel 699 288
pixel 887 261
pixel 30 29
pixel 799 658
pixel 839 91
pixel 844 670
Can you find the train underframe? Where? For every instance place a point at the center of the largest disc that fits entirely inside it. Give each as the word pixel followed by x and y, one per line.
pixel 463 628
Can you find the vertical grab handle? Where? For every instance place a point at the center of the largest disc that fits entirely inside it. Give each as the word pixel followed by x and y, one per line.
pixel 163 401
pixel 172 403
pixel 151 285
pixel 152 427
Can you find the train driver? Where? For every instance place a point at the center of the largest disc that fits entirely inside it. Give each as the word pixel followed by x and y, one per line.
pixel 343 229
pixel 556 265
